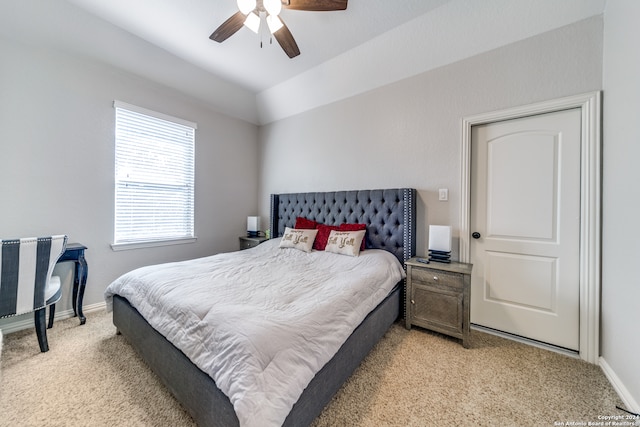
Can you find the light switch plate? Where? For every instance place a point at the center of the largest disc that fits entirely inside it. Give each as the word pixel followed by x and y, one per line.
pixel 443 194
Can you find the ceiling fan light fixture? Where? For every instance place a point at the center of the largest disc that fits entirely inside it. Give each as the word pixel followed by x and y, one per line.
pixel 274 23
pixel 246 6
pixel 252 22
pixel 273 7
pixel 251 13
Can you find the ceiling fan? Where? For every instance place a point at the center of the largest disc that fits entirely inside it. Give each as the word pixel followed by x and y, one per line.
pixel 252 11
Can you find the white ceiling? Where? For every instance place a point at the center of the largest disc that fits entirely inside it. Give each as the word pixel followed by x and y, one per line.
pixel 373 42
pixel 183 28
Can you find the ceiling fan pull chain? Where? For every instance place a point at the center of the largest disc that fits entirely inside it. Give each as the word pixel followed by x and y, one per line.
pixel 261 35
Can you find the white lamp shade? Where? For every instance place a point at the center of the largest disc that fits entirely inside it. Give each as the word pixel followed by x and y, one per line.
pixel 440 238
pixel 274 23
pixel 273 6
pixel 253 223
pixel 252 22
pixel 246 6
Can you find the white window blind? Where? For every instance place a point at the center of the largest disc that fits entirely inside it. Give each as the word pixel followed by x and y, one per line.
pixel 154 176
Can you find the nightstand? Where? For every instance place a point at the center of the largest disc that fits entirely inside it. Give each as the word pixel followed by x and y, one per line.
pixel 250 242
pixel 438 297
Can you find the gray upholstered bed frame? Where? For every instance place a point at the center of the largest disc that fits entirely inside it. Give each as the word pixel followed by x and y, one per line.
pixel 389 215
pixel 390 218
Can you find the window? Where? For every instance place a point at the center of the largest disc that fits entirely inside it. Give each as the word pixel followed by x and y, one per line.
pixel 154 177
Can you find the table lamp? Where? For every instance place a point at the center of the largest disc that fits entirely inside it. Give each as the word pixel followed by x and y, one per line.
pixel 440 243
pixel 253 226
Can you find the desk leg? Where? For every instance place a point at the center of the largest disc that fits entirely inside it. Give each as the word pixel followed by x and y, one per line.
pixel 76 280
pixel 79 284
pixel 81 275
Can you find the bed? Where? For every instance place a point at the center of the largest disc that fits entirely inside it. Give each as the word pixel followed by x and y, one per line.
pixel 389 216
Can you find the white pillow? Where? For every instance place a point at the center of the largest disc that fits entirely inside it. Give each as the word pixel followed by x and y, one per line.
pixel 298 239
pixel 345 242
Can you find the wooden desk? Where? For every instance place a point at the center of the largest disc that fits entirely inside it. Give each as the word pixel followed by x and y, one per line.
pixel 75 252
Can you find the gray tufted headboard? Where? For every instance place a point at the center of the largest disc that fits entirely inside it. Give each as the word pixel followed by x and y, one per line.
pixel 389 215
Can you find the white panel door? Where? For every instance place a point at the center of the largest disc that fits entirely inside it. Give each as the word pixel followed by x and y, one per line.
pixel 525 219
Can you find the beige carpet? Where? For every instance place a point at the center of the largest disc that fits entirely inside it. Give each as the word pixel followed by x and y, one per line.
pixel 92 377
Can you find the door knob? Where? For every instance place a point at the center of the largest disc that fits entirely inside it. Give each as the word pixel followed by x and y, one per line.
pixel 475 235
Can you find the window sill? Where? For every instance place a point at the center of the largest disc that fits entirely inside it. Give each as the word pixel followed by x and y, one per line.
pixel 150 244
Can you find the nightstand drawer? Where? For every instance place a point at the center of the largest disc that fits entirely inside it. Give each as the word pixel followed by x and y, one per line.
pixel 437 278
pixel 246 244
pixel 250 242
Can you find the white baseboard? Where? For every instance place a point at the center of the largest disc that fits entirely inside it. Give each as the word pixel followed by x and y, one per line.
pixel 618 386
pixel 534 343
pixel 25 321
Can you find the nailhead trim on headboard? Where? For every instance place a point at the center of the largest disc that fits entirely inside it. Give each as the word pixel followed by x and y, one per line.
pixel 388 213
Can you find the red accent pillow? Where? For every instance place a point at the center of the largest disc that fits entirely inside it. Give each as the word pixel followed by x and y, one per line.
pixel 305 224
pixel 354 227
pixel 323 236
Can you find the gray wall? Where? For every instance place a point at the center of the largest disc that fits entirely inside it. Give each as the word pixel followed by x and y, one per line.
pixel 409 133
pixel 621 196
pixel 57 155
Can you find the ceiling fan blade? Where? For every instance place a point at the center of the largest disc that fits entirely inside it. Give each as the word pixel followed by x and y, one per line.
pixel 315 5
pixel 286 41
pixel 228 27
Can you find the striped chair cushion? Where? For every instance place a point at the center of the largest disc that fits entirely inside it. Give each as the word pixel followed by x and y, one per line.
pixel 26 266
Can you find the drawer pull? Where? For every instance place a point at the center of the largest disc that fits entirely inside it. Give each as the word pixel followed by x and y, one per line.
pixel 435 278
pixel 413 302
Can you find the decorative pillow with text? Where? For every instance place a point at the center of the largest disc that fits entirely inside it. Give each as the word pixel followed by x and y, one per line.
pixel 354 227
pixel 298 239
pixel 345 242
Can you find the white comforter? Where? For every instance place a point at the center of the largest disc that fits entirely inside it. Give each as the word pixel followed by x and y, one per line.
pixel 261 322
